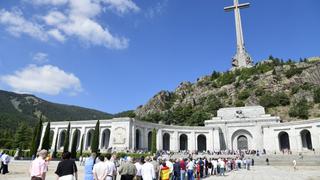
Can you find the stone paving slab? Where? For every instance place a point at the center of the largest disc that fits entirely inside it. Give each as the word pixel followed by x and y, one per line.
pixel 19 171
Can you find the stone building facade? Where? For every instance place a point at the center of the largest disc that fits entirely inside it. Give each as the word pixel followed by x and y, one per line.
pixel 233 128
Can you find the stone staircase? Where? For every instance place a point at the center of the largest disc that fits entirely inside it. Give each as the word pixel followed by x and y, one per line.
pixel 286 160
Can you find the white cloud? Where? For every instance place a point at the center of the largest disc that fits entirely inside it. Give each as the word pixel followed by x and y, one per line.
pixel 45 79
pixel 48 2
pixel 40 57
pixel 17 25
pixel 156 10
pixel 122 6
pixel 78 19
pixel 56 34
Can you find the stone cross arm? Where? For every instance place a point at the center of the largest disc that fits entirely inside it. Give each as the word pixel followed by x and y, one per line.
pixel 230 8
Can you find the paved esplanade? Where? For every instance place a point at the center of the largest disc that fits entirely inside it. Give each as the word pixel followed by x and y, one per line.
pixel 242 58
pixel 19 171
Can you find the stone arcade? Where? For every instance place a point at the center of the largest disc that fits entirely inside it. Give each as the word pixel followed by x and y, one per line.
pixel 233 128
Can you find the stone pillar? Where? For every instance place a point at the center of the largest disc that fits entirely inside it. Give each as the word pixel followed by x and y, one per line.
pixel 192 144
pixel 210 140
pixel 82 132
pixel 100 138
pixel 133 139
pixel 159 139
pixel 175 141
pixel 216 141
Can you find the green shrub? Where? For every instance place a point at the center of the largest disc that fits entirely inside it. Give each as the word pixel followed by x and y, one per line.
pixel 243 95
pixel 226 78
pixel 293 71
pixel 316 95
pixel 300 109
pixel 282 98
pixel 239 103
pixel 259 91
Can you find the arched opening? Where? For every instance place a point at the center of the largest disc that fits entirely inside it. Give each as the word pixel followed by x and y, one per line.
pixel 166 141
pixel 138 139
pixel 62 139
pixel 77 138
pixel 306 139
pixel 149 140
pixel 242 142
pixel 183 142
pixel 89 138
pixel 105 139
pixel 51 137
pixel 202 142
pixel 284 142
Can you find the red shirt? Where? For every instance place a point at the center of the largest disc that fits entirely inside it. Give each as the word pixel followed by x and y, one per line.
pixel 182 165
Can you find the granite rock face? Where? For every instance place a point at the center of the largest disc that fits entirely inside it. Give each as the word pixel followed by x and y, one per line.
pixel 280 78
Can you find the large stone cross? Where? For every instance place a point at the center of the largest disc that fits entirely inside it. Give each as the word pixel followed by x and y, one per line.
pixel 242 58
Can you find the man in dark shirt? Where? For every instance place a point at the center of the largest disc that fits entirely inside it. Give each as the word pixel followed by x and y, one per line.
pixel 176 170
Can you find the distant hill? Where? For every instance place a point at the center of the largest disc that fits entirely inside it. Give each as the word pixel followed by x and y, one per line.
pixel 25 108
pixel 289 89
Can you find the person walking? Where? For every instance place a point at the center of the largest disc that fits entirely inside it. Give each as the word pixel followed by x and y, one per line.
pixel 100 169
pixel 127 170
pixel 67 168
pixel 147 170
pixel 88 166
pixel 111 167
pixel 5 160
pixel 39 167
pixel 294 162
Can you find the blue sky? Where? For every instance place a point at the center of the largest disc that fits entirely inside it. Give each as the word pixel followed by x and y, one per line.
pixel 114 55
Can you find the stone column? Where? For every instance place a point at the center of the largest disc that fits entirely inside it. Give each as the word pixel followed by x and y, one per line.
pixel 216 141
pixel 100 138
pixel 210 140
pixel 175 141
pixel 42 134
pixel 133 139
pixel 192 143
pixel 159 139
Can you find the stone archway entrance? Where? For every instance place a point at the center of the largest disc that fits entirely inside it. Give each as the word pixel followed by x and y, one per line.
pixel 306 139
pixel 241 139
pixel 202 142
pixel 138 139
pixel 105 139
pixel 89 138
pixel 62 139
pixel 242 143
pixel 284 142
pixel 183 142
pixel 166 141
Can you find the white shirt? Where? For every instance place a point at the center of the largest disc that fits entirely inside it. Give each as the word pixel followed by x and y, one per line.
pixel 5 159
pixel 139 167
pixel 100 169
pixel 215 164
pixel 190 165
pixel 170 165
pixel 111 168
pixel 147 171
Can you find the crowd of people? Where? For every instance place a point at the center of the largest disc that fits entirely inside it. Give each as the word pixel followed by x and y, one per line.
pixel 109 166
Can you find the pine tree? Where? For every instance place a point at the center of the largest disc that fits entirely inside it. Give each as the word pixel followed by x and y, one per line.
pixel 154 141
pixel 66 140
pixel 54 153
pixel 46 138
pixel 81 145
pixel 36 138
pixel 74 144
pixel 95 139
pixel 22 137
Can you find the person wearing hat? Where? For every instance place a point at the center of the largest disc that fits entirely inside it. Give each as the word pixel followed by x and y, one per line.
pixel 39 166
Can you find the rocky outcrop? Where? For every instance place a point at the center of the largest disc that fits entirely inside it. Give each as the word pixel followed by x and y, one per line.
pixel 280 78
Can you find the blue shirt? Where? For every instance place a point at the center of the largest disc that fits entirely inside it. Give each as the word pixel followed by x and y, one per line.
pixel 88 166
